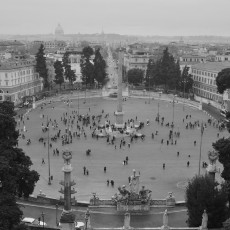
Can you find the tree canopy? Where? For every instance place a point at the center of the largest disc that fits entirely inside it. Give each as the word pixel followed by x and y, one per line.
pixel 223 80
pixel 87 68
pixel 41 65
pixel 165 71
pixel 135 76
pixel 58 69
pixel 202 193
pixel 99 67
pixel 186 81
pixel 16 177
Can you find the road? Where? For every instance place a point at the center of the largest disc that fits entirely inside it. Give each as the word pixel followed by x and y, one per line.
pixel 109 218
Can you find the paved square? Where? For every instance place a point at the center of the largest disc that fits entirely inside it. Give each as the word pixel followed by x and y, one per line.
pixel 146 156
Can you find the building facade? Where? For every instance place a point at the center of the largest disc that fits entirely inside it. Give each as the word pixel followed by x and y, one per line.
pixel 204 76
pixel 138 60
pixel 190 60
pixel 18 79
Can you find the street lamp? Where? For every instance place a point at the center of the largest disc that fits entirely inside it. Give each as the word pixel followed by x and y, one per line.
pixel 49 182
pixel 173 117
pixel 0 185
pixel 57 214
pixel 43 219
pixel 78 101
pixel 201 138
pixel 184 93
pixel 86 218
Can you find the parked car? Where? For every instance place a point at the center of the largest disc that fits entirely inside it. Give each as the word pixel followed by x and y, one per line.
pixel 32 221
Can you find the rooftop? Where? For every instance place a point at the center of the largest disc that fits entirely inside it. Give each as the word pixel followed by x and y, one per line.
pixel 13 64
pixel 212 66
pixel 11 43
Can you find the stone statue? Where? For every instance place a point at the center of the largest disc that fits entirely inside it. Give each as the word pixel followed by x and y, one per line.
pixel 204 223
pixel 134 183
pixel 145 194
pixel 67 156
pixel 213 156
pixel 165 218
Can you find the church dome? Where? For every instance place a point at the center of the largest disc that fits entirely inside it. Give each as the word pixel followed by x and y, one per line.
pixel 59 30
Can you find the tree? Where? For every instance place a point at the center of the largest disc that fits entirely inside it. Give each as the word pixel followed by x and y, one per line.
pixel 99 68
pixel 150 73
pixel 202 193
pixel 222 146
pixel 186 81
pixel 16 177
pixel 59 79
pixel 41 65
pixel 223 80
pixel 87 68
pixel 135 76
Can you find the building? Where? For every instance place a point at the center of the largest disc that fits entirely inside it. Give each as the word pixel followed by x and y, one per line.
pixel 204 76
pixel 224 57
pixel 18 79
pixel 59 32
pixel 52 45
pixel 12 45
pixel 189 60
pixel 137 60
pixel 75 60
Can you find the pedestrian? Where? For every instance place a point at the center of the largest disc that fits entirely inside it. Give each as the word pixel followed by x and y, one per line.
pixel 43 161
pixel 194 143
pixel 188 163
pixel 108 182
pixel 163 165
pixel 218 135
pixel 127 159
pixel 178 153
pixel 84 169
pixel 112 183
pixel 87 172
pixel 104 169
pixel 129 179
pixel 175 142
pixel 167 142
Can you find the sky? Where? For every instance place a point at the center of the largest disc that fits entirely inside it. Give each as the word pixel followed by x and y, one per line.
pixel 130 17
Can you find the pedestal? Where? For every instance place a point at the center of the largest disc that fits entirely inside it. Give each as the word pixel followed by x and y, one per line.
pixel 211 170
pixel 119 120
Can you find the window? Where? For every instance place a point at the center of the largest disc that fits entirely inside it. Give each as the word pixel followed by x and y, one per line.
pixel 6 75
pixel 6 83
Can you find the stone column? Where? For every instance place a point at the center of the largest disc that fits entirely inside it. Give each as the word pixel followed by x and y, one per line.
pixel 119 113
pixel 67 220
pixel 211 169
pixel 127 221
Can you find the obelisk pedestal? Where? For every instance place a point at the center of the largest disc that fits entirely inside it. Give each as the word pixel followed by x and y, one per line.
pixel 119 113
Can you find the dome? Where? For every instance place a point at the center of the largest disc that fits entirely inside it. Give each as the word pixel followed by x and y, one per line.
pixel 59 30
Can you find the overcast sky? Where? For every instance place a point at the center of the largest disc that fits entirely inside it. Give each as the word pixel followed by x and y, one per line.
pixel 134 17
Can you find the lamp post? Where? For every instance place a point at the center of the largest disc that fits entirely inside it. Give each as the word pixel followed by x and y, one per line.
pixel 184 94
pixel 86 219
pixel 78 101
pixel 201 138
pixel 173 117
pixel 0 185
pixel 49 181
pixel 43 219
pixel 57 214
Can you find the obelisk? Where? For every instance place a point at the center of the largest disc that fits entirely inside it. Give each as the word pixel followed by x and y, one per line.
pixel 67 220
pixel 119 113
